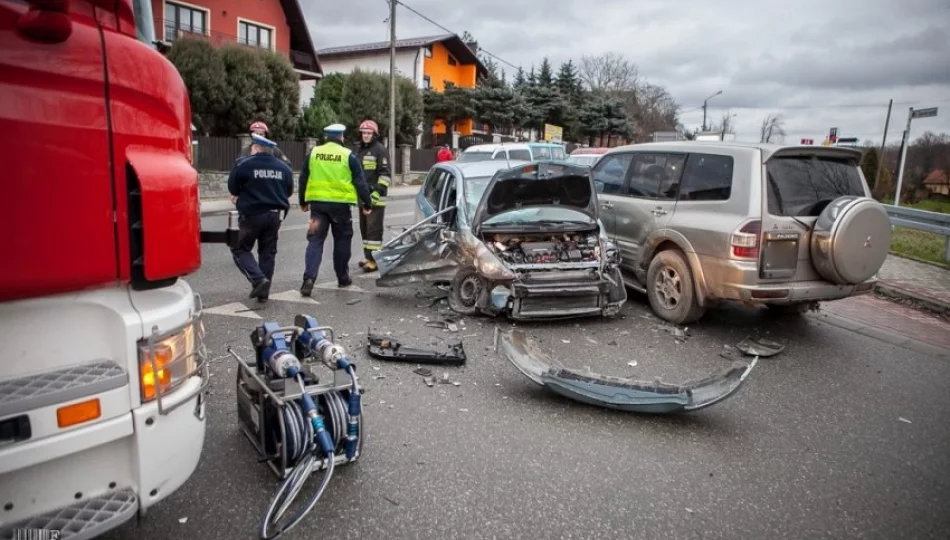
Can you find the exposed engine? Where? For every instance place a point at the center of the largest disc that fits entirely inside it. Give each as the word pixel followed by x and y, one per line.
pixel 545 248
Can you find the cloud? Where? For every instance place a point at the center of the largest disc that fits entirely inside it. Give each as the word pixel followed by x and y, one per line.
pixel 820 64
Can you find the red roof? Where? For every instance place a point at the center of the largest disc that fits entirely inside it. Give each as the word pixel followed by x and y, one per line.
pixel 937 177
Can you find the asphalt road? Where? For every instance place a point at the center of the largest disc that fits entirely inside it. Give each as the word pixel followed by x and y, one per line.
pixel 841 436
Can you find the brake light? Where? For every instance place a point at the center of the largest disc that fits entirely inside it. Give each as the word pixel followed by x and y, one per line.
pixel 160 375
pixel 745 241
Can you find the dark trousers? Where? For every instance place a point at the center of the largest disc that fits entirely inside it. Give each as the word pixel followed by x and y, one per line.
pixel 371 230
pixel 325 218
pixel 262 229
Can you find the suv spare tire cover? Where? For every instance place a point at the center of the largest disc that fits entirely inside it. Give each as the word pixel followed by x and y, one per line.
pixel 850 240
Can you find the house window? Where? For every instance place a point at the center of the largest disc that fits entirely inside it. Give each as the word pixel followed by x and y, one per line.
pixel 255 35
pixel 428 51
pixel 181 20
pixel 452 61
pixel 426 82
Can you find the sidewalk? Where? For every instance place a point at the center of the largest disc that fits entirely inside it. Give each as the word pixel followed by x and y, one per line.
pixel 222 206
pixel 926 284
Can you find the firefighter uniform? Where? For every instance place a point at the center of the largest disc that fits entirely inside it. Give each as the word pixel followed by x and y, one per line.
pixel 374 157
pixel 331 182
pixel 263 185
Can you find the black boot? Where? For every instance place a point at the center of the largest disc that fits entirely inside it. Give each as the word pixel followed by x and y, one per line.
pixel 307 288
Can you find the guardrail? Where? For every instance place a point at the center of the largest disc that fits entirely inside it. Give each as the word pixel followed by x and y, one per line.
pixel 921 220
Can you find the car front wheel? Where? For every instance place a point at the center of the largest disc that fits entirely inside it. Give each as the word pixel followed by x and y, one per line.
pixel 465 291
pixel 670 288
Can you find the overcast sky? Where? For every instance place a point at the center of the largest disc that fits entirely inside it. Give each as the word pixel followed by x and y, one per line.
pixel 819 63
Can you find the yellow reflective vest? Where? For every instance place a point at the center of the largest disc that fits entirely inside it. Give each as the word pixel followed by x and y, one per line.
pixel 330 178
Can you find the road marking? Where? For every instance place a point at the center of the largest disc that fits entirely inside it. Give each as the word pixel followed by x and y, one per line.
pixel 401 215
pixel 234 309
pixel 332 285
pixel 294 296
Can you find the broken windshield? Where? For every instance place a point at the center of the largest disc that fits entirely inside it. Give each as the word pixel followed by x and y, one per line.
pixel 797 185
pixel 540 215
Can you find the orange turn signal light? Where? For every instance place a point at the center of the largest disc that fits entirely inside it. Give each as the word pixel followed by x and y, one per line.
pixel 77 413
pixel 160 377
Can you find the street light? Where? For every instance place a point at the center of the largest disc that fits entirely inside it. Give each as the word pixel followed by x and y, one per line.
pixel 911 115
pixel 704 107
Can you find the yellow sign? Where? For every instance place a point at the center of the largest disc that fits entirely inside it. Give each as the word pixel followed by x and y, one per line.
pixel 827 142
pixel 553 133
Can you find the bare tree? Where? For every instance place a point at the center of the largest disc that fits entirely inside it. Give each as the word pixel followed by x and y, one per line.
pixel 772 129
pixel 608 72
pixel 652 108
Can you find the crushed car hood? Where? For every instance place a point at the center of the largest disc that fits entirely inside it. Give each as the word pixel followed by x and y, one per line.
pixel 619 393
pixel 536 185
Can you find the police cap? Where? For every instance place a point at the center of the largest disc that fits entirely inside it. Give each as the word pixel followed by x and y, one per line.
pixel 335 129
pixel 262 141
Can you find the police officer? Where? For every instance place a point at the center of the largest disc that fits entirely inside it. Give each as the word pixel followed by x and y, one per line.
pixel 262 186
pixel 331 181
pixel 375 160
pixel 260 128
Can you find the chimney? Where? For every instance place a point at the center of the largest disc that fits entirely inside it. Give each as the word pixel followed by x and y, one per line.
pixel 473 45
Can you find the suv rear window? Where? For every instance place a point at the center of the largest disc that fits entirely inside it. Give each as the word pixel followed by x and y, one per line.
pixel 519 154
pixel 804 185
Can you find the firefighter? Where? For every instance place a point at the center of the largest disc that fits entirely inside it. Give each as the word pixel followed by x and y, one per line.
pixel 331 181
pixel 262 186
pixel 375 160
pixel 260 128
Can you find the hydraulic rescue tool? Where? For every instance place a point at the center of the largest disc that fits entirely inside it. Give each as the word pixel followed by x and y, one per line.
pixel 297 423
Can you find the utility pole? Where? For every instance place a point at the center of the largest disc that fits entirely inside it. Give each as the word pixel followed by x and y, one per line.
pixel 392 87
pixel 880 163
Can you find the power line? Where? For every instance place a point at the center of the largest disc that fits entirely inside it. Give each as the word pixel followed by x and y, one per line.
pixel 840 106
pixel 487 53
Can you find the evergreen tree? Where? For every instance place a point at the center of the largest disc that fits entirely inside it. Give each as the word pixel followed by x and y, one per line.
pixel 520 80
pixel 545 76
pixel 532 77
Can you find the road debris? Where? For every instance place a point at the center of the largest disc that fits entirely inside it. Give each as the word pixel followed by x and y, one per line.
pixel 423 371
pixel 386 348
pixel 760 347
pixel 183 520
pixel 902 419
pixel 354 301
pixel 621 393
pixel 632 364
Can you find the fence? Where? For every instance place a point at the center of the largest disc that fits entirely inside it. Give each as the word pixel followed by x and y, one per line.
pixel 219 153
pixel 921 220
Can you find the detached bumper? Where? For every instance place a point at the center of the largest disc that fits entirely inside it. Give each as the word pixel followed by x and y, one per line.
pixel 620 393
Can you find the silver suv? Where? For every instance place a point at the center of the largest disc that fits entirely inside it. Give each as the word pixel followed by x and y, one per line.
pixel 697 223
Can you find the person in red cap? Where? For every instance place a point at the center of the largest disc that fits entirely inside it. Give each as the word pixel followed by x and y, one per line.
pixel 260 128
pixel 375 160
pixel 444 154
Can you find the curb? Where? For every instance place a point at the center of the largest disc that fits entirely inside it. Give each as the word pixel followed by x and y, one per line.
pixel 930 304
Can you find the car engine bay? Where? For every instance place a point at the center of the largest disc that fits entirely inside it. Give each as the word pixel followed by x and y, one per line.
pixel 545 248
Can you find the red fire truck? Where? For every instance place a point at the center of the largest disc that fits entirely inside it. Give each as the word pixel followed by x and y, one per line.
pixel 102 370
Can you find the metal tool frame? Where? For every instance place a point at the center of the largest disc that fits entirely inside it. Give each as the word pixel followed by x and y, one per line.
pixel 292 391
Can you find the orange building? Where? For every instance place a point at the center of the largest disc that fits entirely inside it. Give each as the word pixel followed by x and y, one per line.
pixel 430 62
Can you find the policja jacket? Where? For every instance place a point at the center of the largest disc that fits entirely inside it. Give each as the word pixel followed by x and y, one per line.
pixel 261 183
pixel 333 174
pixel 374 158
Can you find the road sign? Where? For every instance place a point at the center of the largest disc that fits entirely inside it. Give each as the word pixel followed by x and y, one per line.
pixel 925 113
pixel 808 141
pixel 833 134
pixel 848 140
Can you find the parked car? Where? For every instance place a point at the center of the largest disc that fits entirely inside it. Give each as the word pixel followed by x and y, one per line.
pixel 586 156
pixel 525 241
pixel 513 151
pixel 779 226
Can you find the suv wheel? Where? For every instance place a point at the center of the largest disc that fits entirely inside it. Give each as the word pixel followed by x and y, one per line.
pixel 670 288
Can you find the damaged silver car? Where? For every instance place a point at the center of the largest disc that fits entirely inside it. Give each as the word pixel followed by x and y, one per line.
pixel 526 242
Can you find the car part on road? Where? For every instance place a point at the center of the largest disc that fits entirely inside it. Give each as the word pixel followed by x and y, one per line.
pixel 387 348
pixel 760 347
pixel 850 240
pixel 670 288
pixel 296 423
pixel 619 393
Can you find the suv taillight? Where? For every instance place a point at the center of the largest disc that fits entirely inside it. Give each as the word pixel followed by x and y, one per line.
pixel 745 241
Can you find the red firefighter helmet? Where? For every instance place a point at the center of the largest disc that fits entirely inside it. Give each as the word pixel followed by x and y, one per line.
pixel 259 126
pixel 369 125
